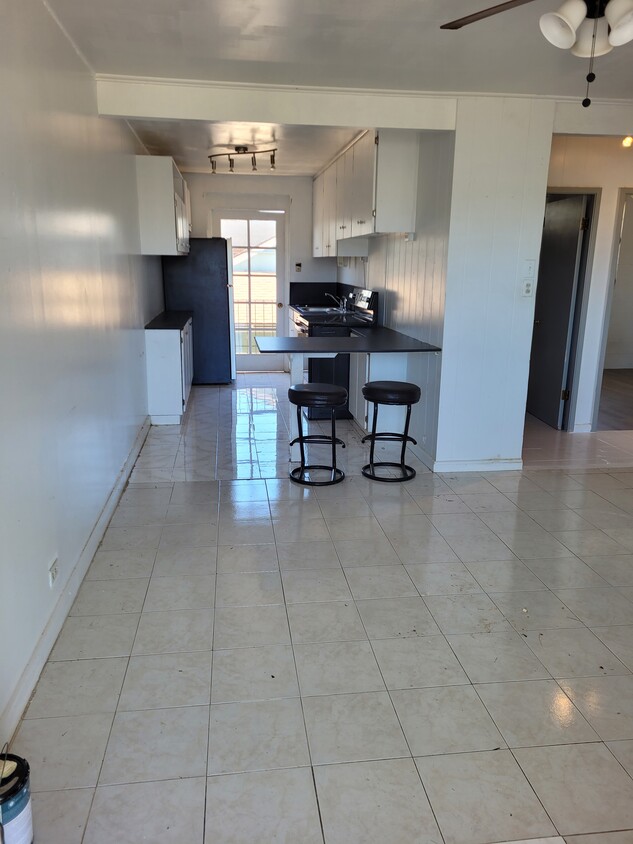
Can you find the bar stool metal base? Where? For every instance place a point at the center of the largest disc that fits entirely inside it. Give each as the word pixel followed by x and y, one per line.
pixel 298 474
pixel 321 395
pixel 407 473
pixel 393 394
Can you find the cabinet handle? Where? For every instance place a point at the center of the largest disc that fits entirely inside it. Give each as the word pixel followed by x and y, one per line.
pixel 360 222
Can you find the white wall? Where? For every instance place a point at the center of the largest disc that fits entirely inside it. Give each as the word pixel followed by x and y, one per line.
pixel 74 300
pixel 410 278
pixel 292 193
pixel 502 149
pixel 619 354
pixel 593 162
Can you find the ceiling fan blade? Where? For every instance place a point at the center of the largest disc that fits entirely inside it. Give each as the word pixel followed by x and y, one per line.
pixel 484 13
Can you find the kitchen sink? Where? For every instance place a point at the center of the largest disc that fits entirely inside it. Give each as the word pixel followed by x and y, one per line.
pixel 318 309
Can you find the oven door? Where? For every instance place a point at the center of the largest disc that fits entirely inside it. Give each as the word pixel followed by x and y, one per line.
pixel 299 327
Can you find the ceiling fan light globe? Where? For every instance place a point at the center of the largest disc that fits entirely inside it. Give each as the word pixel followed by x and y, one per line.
pixel 619 15
pixel 584 38
pixel 559 27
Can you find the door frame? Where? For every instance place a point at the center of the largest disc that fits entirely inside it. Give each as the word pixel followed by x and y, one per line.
pixel 581 299
pixel 254 362
pixel 613 267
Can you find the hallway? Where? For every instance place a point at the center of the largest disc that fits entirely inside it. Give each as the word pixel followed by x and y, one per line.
pixel 446 660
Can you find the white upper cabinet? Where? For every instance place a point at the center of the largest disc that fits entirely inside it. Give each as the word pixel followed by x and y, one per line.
pixel 329 212
pixel 396 180
pixel 344 167
pixel 317 217
pixel 363 187
pixel 371 188
pixel 163 206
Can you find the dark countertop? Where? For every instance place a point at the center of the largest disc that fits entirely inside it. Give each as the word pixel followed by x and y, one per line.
pixel 170 320
pixel 372 340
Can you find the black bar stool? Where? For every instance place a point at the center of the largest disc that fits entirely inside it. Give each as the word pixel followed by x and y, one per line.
pixel 317 395
pixel 398 393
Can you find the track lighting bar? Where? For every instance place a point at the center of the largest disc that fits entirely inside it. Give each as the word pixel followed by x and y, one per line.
pixel 238 150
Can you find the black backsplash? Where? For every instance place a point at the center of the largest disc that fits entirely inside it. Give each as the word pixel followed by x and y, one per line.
pixel 313 292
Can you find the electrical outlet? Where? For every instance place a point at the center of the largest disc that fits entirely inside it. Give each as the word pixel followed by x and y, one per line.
pixel 527 287
pixel 53 571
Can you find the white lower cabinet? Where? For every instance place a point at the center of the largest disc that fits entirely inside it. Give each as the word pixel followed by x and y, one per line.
pixel 169 361
pixel 357 379
pixel 376 367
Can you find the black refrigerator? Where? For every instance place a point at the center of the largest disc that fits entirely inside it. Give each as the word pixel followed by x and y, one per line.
pixel 202 282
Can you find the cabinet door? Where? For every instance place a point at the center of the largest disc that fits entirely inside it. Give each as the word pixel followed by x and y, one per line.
pixel 344 166
pixel 163 352
pixel 363 185
pixel 329 211
pixel 396 180
pixel 357 380
pixel 163 220
pixel 186 362
pixel 317 217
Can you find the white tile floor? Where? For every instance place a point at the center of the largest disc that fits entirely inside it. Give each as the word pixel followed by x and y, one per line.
pixel 249 661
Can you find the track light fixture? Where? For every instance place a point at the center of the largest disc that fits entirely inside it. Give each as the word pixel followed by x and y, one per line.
pixel 241 149
pixel 589 28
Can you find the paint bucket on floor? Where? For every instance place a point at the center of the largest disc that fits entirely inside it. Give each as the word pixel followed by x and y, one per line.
pixel 16 821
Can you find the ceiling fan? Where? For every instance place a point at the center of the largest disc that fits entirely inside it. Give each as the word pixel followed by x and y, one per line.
pixel 589 28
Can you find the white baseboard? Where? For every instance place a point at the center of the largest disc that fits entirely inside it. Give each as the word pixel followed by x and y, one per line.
pixel 448 466
pixel 10 717
pixel 615 360
pixel 166 420
pixel 422 455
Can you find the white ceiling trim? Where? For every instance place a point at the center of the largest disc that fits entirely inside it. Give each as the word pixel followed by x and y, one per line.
pixel 601 119
pixel 177 99
pixel 146 98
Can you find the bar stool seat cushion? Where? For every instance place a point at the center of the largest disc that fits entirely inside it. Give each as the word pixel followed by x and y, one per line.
pixel 317 395
pixel 392 392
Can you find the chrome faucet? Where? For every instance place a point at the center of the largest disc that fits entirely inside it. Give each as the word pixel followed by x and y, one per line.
pixel 341 302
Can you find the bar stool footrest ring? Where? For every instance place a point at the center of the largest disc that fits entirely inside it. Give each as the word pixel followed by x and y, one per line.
pixel 407 472
pixel 318 439
pixel 298 475
pixel 389 437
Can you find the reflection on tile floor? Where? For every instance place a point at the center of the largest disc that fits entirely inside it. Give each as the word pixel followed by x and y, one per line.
pixel 249 661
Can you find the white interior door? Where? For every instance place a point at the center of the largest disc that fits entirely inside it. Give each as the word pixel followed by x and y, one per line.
pixel 257 261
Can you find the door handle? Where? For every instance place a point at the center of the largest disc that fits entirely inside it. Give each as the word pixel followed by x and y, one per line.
pixel 280 304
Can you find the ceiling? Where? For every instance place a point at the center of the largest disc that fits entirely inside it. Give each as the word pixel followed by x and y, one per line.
pixel 394 45
pixel 302 150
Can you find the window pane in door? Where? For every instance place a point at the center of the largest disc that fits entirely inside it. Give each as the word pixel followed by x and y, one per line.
pixel 263 233
pixel 235 229
pixel 263 288
pixel 240 288
pixel 263 260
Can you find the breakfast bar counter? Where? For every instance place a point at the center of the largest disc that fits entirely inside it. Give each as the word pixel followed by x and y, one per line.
pixel 361 340
pixel 388 351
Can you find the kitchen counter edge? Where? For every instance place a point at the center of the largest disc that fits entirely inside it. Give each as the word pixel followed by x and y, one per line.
pixel 364 340
pixel 170 321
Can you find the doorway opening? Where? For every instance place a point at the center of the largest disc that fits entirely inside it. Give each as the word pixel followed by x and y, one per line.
pixel 557 314
pixel 258 283
pixel 615 410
